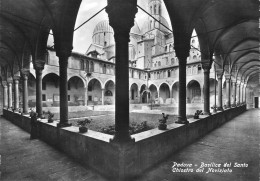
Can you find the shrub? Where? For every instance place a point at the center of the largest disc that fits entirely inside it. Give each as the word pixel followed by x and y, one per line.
pixel 134 128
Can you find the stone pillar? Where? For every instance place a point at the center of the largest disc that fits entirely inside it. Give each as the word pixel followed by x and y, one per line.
pixel 5 87
pixel 182 55
pixel 245 94
pixel 86 96
pixel 234 84
pixel 206 67
pixel 238 100
pixel 220 105
pixel 38 72
pixel 102 96
pixel 63 62
pixel 228 90
pixel 25 91
pixel 16 94
pixel 10 95
pixel 121 18
pixel 242 93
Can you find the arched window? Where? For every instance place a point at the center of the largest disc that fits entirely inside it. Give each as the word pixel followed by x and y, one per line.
pixel 194 57
pixel 172 61
pixel 91 66
pixel 170 48
pixel 166 48
pixel 154 9
pixel 151 24
pixel 108 93
pixel 159 64
pixel 159 9
pixel 104 69
pixel 87 66
pixel 151 9
pixel 82 64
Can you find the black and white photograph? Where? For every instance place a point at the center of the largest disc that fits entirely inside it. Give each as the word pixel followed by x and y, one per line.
pixel 129 90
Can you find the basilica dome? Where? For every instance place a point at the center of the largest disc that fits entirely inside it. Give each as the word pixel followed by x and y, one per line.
pixel 103 33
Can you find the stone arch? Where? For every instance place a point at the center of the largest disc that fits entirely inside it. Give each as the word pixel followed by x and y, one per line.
pixel 153 92
pixel 51 90
pixel 175 91
pixel 144 95
pixel 193 92
pixel 164 92
pixel 134 97
pixel 83 80
pixel 50 72
pixel 109 93
pixel 94 92
pixel 76 91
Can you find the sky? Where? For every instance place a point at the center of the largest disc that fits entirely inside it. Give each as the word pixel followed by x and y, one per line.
pixel 83 36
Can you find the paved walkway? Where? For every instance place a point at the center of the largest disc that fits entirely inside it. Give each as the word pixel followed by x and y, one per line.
pixel 236 141
pixel 33 160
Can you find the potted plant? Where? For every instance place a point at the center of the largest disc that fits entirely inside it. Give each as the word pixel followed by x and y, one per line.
pixel 50 117
pixel 197 113
pixel 83 125
pixel 162 122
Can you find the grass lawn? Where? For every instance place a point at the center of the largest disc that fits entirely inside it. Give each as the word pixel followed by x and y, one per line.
pixel 104 119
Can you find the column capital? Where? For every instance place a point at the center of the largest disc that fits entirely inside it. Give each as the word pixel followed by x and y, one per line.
pixel 39 64
pixel 121 16
pixel 220 76
pixel 10 80
pixel 206 66
pixel 182 51
pixel 25 72
pixel 64 51
pixel 4 83
pixel 16 78
pixel 228 77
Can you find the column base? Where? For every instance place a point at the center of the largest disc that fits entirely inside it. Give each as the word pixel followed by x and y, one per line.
pixel 25 114
pixel 63 125
pixel 207 113
pixel 16 110
pixel 220 109
pixel 119 138
pixel 182 120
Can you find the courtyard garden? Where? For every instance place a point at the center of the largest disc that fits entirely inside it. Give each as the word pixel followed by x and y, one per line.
pixel 104 121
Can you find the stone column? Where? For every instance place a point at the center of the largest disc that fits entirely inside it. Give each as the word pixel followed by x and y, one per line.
pixel 25 91
pixel 63 62
pixel 121 18
pixel 5 87
pixel 238 100
pixel 242 93
pixel 206 67
pixel 16 94
pixel 245 94
pixel 38 72
pixel 10 95
pixel 220 105
pixel 102 96
pixel 234 84
pixel 228 90
pixel 86 96
pixel 182 56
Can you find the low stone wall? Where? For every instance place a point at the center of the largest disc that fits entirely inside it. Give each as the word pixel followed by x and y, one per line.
pixel 124 161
